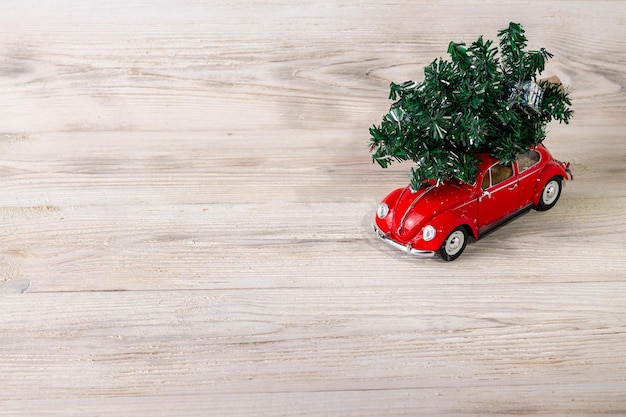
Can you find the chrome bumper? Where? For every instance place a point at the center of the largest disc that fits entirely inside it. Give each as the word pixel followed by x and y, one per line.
pixel 404 248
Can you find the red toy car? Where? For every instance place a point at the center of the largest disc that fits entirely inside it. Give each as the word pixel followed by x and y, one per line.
pixel 441 217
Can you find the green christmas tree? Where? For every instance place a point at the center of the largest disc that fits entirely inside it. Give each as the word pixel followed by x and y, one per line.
pixel 481 101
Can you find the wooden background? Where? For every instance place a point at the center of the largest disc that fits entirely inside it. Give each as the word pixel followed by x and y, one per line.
pixel 186 204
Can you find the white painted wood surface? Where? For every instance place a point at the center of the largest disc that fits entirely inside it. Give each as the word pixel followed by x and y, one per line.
pixel 186 205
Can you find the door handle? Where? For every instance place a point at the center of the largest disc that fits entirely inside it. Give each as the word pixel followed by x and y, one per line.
pixel 512 187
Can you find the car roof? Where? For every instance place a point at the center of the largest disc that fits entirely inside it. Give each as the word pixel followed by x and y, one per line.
pixel 487 160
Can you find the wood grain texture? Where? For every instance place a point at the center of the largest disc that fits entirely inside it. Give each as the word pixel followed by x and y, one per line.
pixel 186 205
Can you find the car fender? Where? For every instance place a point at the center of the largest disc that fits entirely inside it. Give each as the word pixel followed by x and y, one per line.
pixel 392 197
pixel 390 200
pixel 550 171
pixel 444 223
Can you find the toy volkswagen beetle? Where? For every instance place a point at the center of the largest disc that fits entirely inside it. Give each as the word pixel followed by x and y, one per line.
pixel 440 217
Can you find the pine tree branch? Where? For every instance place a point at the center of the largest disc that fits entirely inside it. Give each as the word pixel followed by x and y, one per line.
pixel 483 99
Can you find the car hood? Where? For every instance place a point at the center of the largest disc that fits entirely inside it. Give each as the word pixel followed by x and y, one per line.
pixel 413 209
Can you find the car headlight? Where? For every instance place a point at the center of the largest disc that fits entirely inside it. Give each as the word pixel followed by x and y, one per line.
pixel 383 210
pixel 428 233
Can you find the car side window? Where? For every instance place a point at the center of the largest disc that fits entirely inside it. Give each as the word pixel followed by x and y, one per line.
pixel 526 160
pixel 496 174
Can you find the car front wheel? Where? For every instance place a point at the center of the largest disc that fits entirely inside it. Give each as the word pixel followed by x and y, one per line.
pixel 454 245
pixel 550 194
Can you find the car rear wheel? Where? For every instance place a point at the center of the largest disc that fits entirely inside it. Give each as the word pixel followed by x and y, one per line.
pixel 550 194
pixel 454 245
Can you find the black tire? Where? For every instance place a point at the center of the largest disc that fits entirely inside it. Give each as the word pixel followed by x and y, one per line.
pixel 550 194
pixel 454 245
